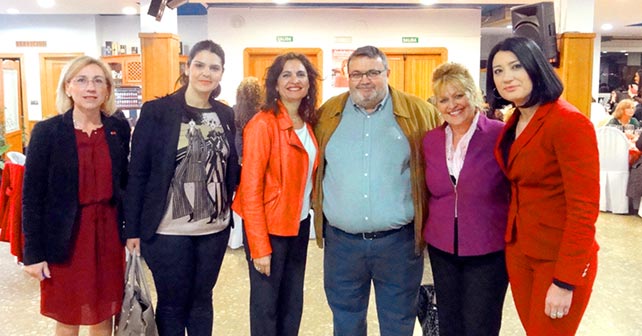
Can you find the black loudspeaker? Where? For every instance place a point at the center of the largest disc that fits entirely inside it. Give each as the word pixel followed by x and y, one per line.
pixel 156 8
pixel 537 22
pixel 175 3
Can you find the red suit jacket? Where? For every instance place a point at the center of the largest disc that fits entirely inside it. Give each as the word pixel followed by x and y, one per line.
pixel 553 168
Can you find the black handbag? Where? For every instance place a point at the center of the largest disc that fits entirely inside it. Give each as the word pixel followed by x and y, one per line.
pixel 137 314
pixel 427 310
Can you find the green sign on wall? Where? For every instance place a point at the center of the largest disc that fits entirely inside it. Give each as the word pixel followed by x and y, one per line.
pixel 283 38
pixel 410 39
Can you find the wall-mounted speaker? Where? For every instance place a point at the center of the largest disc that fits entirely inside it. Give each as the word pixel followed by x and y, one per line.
pixel 156 8
pixel 537 22
pixel 175 3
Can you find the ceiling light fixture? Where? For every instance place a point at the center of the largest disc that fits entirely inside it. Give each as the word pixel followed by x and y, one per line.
pixel 129 10
pixel 280 2
pixel 13 11
pixel 46 3
pixel 428 2
pixel 607 26
pixel 509 26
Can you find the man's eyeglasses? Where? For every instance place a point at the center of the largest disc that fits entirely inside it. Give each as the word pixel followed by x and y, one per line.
pixel 371 74
pixel 83 81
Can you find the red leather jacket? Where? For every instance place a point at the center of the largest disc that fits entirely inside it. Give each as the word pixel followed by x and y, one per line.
pixel 273 178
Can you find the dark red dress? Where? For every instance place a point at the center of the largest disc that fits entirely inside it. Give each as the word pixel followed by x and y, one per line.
pixel 88 289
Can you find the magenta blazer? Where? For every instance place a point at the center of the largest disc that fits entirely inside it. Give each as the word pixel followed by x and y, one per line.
pixel 482 194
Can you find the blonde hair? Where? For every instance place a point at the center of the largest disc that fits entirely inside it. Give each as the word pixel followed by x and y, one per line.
pixel 71 69
pixel 621 106
pixel 458 76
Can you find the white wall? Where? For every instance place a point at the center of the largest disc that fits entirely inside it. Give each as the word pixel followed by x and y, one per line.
pixel 63 34
pixel 118 28
pixel 235 29
pixel 310 28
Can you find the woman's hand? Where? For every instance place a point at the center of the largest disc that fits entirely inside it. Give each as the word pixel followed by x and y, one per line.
pixel 39 271
pixel 133 246
pixel 262 264
pixel 558 302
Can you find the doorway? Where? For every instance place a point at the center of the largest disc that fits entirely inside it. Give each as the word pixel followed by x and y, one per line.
pixel 257 60
pixel 51 66
pixel 411 68
pixel 12 103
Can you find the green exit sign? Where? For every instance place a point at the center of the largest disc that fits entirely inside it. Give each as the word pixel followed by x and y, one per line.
pixel 284 38
pixel 410 39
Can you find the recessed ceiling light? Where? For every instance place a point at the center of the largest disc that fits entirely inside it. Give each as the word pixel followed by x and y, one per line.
pixel 510 26
pixel 280 2
pixel 46 3
pixel 428 2
pixel 607 26
pixel 13 11
pixel 623 51
pixel 129 10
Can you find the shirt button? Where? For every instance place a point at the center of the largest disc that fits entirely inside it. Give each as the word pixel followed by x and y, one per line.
pixel 367 134
pixel 366 154
pixel 365 174
pixel 365 196
pixel 366 218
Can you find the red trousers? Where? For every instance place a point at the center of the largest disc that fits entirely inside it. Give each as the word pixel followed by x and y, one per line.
pixel 530 279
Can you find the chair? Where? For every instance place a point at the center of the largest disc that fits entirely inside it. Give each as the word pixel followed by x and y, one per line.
pixel 599 117
pixel 613 147
pixel 17 158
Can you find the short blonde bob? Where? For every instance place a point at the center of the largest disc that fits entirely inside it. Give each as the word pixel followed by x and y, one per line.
pixel 64 102
pixel 459 77
pixel 621 106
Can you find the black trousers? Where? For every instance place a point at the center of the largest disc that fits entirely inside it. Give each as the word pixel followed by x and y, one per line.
pixel 470 292
pixel 185 269
pixel 276 302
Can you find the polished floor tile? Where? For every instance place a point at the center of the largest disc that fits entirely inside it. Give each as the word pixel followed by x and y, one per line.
pixel 615 308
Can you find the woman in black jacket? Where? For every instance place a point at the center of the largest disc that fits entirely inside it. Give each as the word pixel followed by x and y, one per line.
pixel 184 169
pixel 75 174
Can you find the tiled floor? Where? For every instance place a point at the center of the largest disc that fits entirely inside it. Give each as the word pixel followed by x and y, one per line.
pixel 615 308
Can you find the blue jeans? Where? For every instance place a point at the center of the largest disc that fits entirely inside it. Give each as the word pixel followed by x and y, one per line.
pixel 185 269
pixel 351 264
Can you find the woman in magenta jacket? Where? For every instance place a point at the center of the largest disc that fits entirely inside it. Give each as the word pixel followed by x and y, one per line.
pixel 467 208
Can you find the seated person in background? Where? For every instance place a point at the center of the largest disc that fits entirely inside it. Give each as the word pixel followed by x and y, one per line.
pixel 612 103
pixel 623 114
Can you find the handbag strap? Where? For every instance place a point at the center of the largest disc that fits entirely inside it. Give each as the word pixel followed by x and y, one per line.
pixel 140 276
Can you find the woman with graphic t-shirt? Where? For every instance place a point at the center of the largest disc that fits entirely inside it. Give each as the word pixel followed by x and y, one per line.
pixel 279 161
pixel 184 169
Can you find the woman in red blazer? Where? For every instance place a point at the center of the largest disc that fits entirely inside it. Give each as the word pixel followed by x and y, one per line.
pixel 548 151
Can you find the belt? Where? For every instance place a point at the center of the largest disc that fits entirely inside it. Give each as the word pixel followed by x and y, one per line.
pixel 373 235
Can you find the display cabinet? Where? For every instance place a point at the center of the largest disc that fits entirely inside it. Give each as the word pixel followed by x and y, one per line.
pixel 127 70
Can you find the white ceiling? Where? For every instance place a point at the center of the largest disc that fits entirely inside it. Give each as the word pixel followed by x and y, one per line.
pixel 620 13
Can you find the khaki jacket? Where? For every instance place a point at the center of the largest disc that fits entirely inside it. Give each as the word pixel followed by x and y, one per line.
pixel 415 118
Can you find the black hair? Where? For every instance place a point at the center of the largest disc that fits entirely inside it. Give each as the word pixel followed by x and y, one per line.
pixel 308 104
pixel 547 86
pixel 210 46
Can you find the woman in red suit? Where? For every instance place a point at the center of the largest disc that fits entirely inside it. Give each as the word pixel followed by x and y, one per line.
pixel 548 151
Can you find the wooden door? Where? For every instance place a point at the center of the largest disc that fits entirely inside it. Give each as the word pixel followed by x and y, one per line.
pixel 256 61
pixel 11 104
pixel 411 69
pixel 51 66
